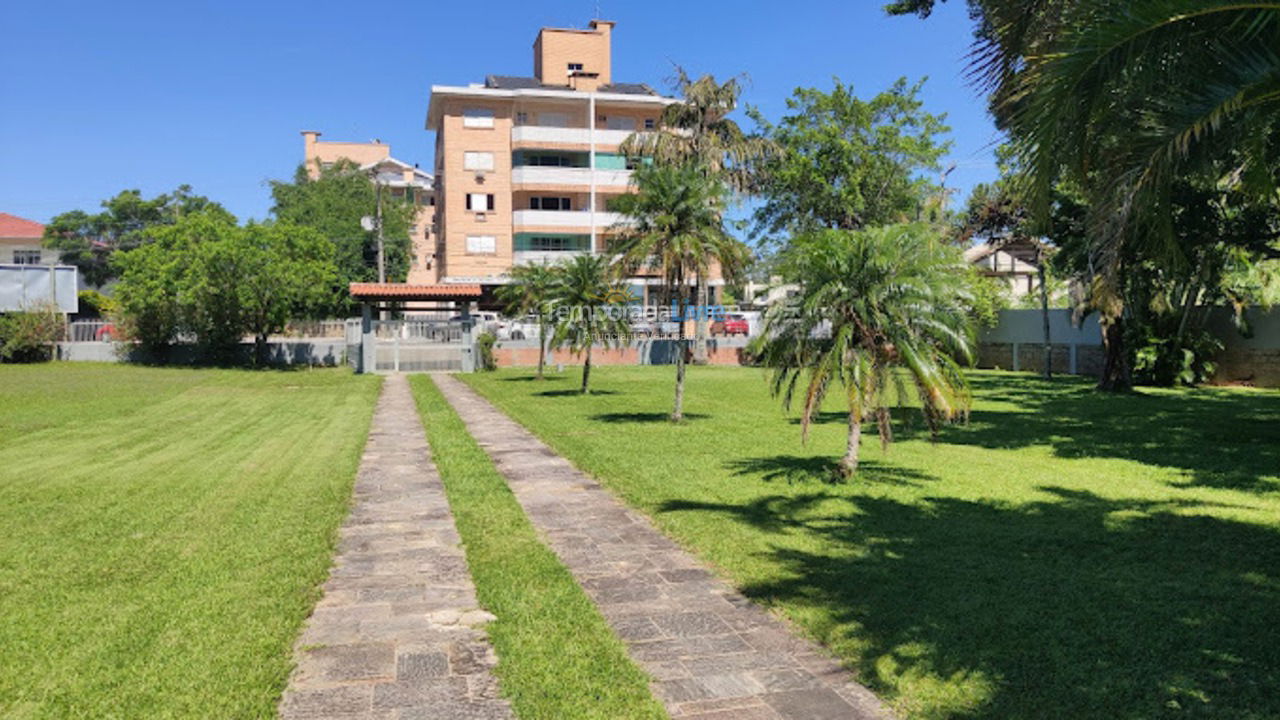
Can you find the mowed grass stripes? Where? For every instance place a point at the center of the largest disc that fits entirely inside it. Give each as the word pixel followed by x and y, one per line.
pixel 164 533
pixel 557 656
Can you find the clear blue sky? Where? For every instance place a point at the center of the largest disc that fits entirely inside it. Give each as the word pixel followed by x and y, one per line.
pixel 99 97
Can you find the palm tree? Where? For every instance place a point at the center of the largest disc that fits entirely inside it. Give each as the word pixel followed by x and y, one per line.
pixel 674 223
pixel 1123 99
pixel 584 311
pixel 699 132
pixel 871 301
pixel 531 290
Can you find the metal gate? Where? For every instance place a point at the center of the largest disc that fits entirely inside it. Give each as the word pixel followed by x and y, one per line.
pixel 411 345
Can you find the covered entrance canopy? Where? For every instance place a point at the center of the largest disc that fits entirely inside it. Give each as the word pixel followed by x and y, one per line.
pixel 374 296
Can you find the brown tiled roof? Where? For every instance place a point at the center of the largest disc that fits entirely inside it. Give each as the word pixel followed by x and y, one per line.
pixel 12 226
pixel 405 291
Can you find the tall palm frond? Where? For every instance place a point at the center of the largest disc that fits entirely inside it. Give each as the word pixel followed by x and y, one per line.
pixel 699 131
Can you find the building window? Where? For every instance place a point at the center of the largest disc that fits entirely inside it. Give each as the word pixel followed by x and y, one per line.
pixel 553 119
pixel 482 244
pixel 477 161
pixel 549 203
pixel 477 118
pixel 575 67
pixel 620 122
pixel 552 243
pixel 522 118
pixel 649 124
pixel 480 202
pixel 26 257
pixel 549 159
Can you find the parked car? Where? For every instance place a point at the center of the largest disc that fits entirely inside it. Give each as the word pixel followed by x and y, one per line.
pixel 652 328
pixel 732 324
pixel 503 328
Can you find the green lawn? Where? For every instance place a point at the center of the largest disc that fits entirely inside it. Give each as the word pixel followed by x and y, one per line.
pixel 557 659
pixel 1065 555
pixel 164 531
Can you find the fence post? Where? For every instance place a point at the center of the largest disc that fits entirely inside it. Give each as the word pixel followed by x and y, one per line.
pixel 368 346
pixel 468 347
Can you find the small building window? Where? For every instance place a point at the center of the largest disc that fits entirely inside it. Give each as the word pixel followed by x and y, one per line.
pixel 477 118
pixel 26 257
pixel 522 118
pixel 575 67
pixel 477 161
pixel 549 203
pixel 649 123
pixel 480 202
pixel 482 244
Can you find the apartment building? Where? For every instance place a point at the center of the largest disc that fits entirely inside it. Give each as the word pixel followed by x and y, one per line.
pixel 526 168
pixel 398 180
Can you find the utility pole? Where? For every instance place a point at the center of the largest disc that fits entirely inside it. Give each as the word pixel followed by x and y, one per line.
pixel 377 222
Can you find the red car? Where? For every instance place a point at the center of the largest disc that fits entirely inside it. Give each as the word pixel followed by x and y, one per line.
pixel 731 325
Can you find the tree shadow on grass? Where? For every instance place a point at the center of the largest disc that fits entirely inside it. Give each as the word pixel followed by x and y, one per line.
pixel 532 378
pixel 644 417
pixel 574 392
pixel 1078 606
pixel 1218 438
pixel 803 469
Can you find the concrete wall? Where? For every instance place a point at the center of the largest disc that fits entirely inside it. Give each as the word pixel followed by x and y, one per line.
pixel 1017 343
pixel 524 353
pixel 1253 360
pixel 321 352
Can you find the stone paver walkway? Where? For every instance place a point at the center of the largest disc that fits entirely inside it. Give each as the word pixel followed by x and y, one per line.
pixel 392 638
pixel 712 652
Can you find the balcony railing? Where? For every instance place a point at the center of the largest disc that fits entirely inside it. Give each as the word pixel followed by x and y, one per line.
pixel 543 175
pixel 568 136
pixel 564 218
pixel 544 257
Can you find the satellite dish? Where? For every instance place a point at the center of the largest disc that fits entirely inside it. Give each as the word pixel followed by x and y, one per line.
pixel 368 223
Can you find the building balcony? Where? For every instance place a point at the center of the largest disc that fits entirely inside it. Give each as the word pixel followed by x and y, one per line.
pixel 565 219
pixel 544 257
pixel 530 175
pixel 531 135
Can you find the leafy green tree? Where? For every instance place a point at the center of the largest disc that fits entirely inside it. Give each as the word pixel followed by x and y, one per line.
pixel 89 241
pixel 675 225
pixel 208 278
pixel 1124 100
pixel 698 132
pixel 333 203
pixel 584 311
pixel 153 276
pixel 254 281
pixel 532 289
pixel 871 301
pixel 847 163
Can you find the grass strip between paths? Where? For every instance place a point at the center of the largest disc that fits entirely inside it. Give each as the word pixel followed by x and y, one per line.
pixel 557 656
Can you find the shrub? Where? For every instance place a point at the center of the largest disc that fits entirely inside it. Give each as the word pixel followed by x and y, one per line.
pixel 30 336
pixel 94 304
pixel 485 343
